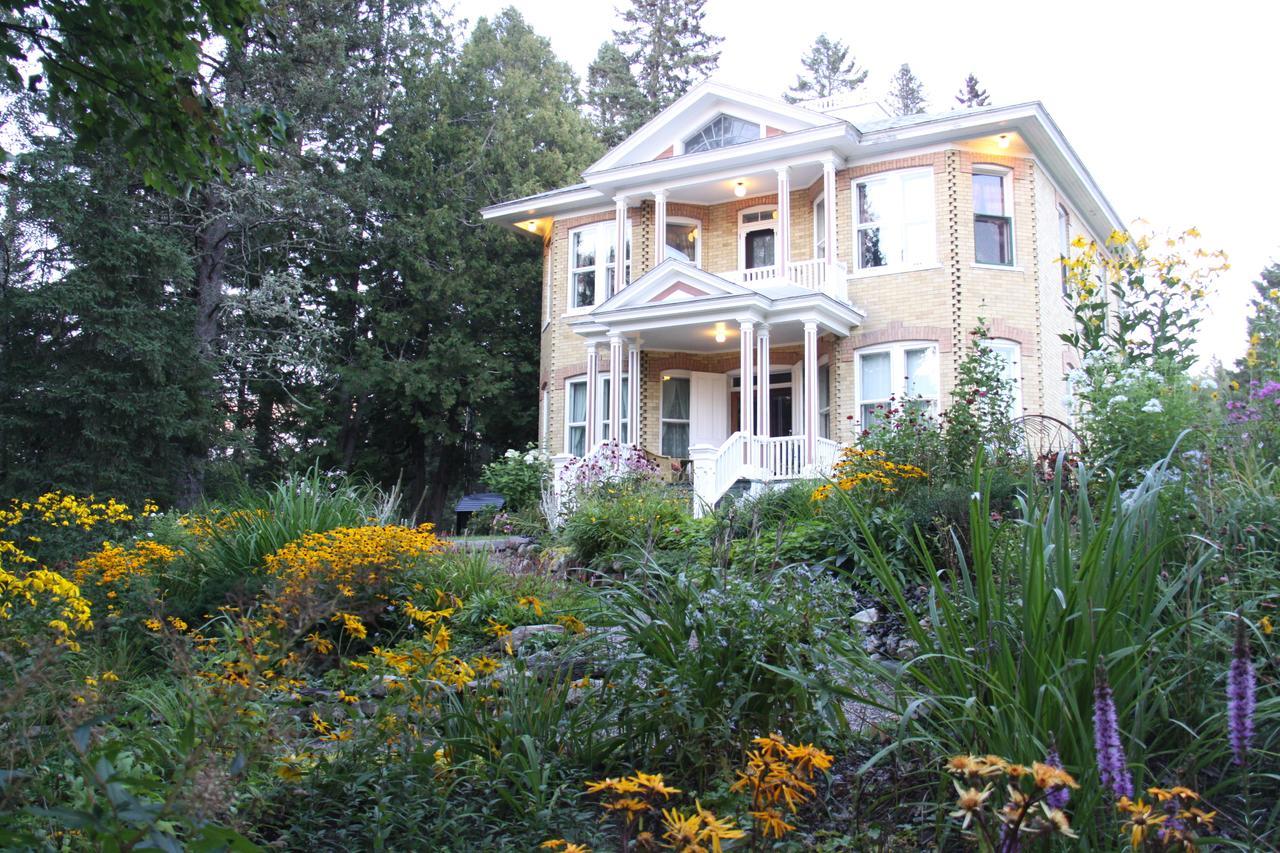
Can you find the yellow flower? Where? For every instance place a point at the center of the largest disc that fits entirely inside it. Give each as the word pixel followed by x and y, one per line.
pixel 1265 624
pixel 497 629
pixel 532 603
pixel 969 802
pixel 1142 818
pixel 110 676
pixel 772 822
pixel 347 697
pixel 572 624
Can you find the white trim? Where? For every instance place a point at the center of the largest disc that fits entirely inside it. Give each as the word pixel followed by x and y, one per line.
pixel 894 222
pixel 697 243
pixel 819 226
pixel 744 228
pixel 873 272
pixel 1005 174
pixel 683 144
pixel 602 410
pixel 605 234
pixel 663 420
pixel 568 424
pixel 897 351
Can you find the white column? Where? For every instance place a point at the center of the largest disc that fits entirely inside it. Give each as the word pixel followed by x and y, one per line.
pixel 783 241
pixel 593 379
pixel 810 393
pixel 633 392
pixel 746 393
pixel 829 208
pixel 762 393
pixel 659 226
pixel 615 387
pixel 620 241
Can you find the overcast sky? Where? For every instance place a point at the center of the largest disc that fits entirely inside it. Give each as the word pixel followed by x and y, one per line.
pixel 1171 105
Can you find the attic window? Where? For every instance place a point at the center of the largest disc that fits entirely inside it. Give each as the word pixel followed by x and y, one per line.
pixel 722 131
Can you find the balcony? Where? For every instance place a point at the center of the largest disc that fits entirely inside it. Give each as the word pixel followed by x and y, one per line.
pixel 818 275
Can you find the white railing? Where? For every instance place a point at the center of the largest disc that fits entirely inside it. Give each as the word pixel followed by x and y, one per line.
pixel 828 450
pixel 819 275
pixel 781 457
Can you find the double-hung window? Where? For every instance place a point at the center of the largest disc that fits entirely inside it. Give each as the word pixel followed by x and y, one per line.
pixel 820 228
pixel 992 217
pixel 675 416
pixel 575 417
pixel 605 403
pixel 824 400
pixel 593 263
pixel 894 220
pixel 897 376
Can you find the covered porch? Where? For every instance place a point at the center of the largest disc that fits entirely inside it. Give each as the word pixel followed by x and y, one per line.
pixel 721 376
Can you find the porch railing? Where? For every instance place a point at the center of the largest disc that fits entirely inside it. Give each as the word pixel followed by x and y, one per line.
pixel 716 469
pixel 818 275
pixel 781 456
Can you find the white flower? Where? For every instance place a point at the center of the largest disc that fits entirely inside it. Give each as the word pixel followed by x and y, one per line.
pixel 976 496
pixel 1118 399
pixel 1209 385
pixel 1153 407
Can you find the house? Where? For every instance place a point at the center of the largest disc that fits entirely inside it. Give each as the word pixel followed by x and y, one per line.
pixel 788 269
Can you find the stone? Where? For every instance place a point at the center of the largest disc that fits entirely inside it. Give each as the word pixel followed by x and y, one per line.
pixel 867 617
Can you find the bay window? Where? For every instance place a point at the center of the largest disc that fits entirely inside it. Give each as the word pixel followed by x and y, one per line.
pixel 575 417
pixel 624 420
pixel 593 262
pixel 992 217
pixel 903 375
pixel 894 225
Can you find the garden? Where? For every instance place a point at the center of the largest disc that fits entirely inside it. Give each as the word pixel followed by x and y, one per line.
pixel 947 643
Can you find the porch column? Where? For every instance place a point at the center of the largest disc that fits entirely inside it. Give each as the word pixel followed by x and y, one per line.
pixel 810 393
pixel 633 392
pixel 615 388
pixel 659 226
pixel 762 393
pixel 620 241
pixel 746 394
pixel 784 221
pixel 829 209
pixel 593 379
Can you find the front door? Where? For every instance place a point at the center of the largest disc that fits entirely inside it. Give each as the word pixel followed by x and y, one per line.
pixel 758 247
pixel 780 411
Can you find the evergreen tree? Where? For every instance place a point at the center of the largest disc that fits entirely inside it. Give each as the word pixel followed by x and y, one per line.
pixel 828 70
pixel 666 44
pixel 1261 362
pixel 971 94
pixel 906 92
pixel 614 102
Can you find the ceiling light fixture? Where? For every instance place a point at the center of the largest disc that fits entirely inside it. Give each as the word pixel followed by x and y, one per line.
pixel 1003 140
pixel 721 333
pixel 740 189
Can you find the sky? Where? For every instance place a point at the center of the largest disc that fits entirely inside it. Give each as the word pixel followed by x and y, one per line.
pixel 1172 106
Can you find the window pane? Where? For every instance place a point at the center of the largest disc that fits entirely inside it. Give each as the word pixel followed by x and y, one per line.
pixel 682 241
pixel 675 398
pixel 991 240
pixel 869 252
pixel 824 390
pixel 872 201
pixel 584 288
pixel 577 441
pixel 720 132
pixel 922 373
pixel 675 439
pixel 917 245
pixel 917 197
pixel 871 414
pixel 877 382
pixel 988 195
pixel 584 248
pixel 759 249
pixel 577 402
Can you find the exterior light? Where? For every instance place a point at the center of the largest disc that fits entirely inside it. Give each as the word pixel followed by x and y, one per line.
pixel 1003 140
pixel 740 189
pixel 721 333
pixel 531 225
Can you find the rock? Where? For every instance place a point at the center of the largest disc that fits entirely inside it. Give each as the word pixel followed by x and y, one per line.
pixel 907 649
pixel 866 617
pixel 520 633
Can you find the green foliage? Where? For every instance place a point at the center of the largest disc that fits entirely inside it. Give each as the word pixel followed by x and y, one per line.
pixel 980 418
pixel 971 94
pixel 613 98
pixel 615 517
pixel 906 92
pixel 668 48
pixel 1261 360
pixel 828 70
pixel 520 477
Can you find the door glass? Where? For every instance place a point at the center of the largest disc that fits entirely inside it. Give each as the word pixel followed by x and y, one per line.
pixel 759 248
pixel 779 411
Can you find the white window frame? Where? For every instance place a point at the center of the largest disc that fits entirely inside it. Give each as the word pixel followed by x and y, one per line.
pixel 897 374
pixel 568 424
pixel 663 420
pixel 824 412
pixel 745 228
pixel 1011 352
pixel 893 222
pixel 819 228
pixel 697 242
pixel 1006 188
pixel 604 231
pixel 684 143
pixel 1064 243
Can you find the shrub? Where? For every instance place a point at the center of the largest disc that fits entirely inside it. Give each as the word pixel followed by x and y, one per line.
pixel 519 476
pixel 618 516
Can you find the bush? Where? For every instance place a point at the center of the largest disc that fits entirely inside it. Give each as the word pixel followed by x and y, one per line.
pixel 615 517
pixel 520 477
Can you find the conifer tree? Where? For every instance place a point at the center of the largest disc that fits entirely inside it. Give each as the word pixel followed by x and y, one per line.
pixel 971 94
pixel 828 70
pixel 906 92
pixel 614 101
pixel 666 44
pixel 1261 361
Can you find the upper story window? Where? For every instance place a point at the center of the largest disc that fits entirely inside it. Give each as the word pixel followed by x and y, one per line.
pixel 1064 243
pixel 757 237
pixel 895 220
pixel 896 376
pixel 992 217
pixel 683 240
pixel 721 132
pixel 820 228
pixel 592 263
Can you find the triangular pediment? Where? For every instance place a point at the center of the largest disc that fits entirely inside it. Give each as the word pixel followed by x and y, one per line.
pixel 665 134
pixel 670 282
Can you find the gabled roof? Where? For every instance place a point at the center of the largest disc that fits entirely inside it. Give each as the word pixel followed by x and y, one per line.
pixel 670 281
pixel 696 107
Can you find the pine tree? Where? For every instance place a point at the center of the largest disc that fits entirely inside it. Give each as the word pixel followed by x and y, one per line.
pixel 906 92
pixel 1261 362
pixel 614 102
pixel 666 44
pixel 828 70
pixel 971 94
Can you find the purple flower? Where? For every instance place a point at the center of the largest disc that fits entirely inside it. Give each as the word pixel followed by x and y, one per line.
pixel 1058 796
pixel 1241 687
pixel 1113 767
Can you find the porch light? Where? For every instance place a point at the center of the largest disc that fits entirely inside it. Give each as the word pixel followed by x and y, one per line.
pixel 740 189
pixel 722 334
pixel 1003 140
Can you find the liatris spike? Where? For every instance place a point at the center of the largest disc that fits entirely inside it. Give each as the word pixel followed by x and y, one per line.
pixel 1058 796
pixel 1113 767
pixel 1241 687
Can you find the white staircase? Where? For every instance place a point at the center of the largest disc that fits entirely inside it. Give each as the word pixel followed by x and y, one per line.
pixel 760 459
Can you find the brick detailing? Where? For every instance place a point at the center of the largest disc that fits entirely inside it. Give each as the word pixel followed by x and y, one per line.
pixel 998 327
pixel 954 270
pixel 1038 327
pixel 895 331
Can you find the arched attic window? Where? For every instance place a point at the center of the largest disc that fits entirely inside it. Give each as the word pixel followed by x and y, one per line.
pixel 720 132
